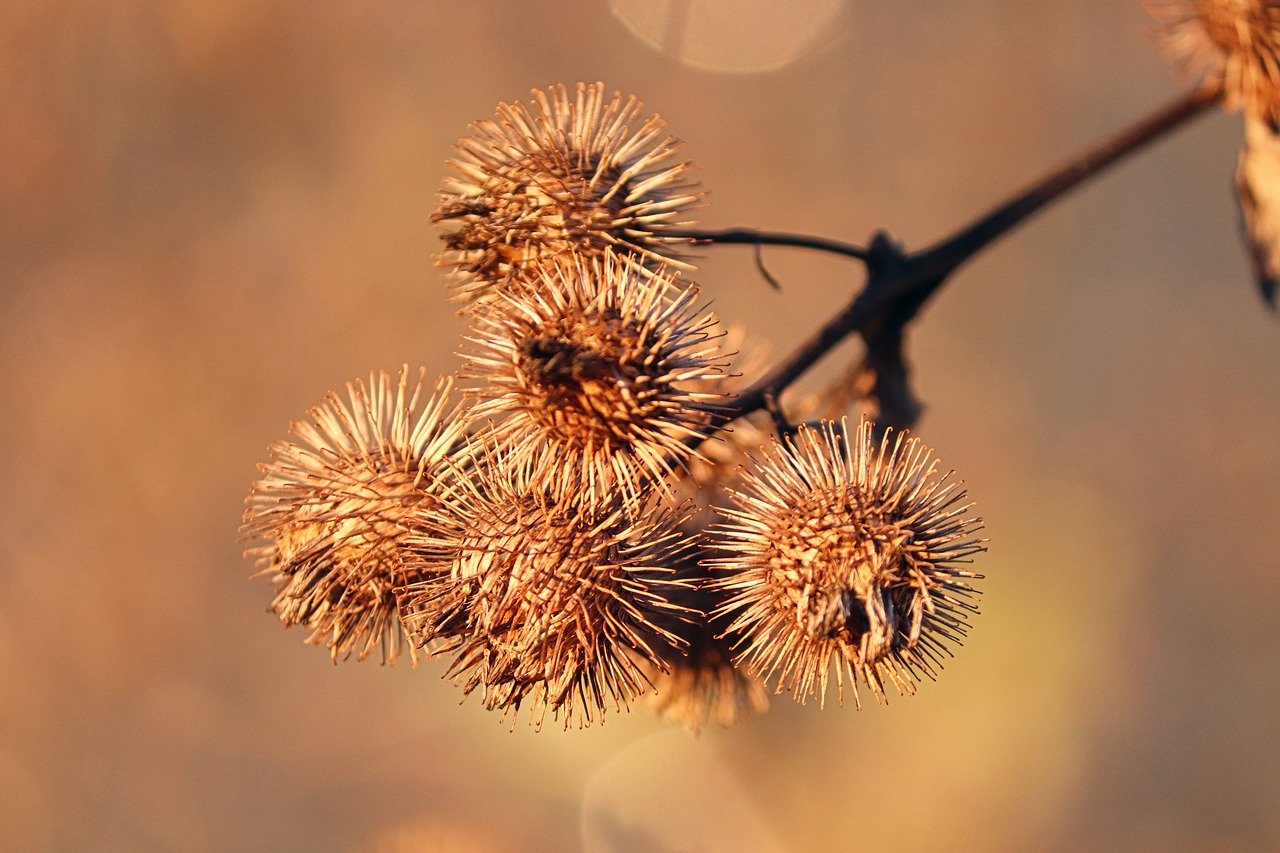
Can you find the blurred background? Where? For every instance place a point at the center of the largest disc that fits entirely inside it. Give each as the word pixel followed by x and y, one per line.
pixel 211 213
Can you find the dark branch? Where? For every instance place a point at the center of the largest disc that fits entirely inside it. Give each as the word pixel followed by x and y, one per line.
pixel 948 254
pixel 899 283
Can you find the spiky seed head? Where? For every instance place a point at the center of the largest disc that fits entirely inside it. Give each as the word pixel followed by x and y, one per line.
pixel 697 682
pixel 720 460
pixel 843 553
pixel 718 465
pixel 339 502
pixel 1232 43
pixel 704 686
pixel 570 171
pixel 565 599
pixel 595 377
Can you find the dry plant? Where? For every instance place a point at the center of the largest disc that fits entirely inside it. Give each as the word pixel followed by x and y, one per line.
pixel 608 509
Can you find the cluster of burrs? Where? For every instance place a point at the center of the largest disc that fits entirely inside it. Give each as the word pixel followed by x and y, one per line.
pixel 580 516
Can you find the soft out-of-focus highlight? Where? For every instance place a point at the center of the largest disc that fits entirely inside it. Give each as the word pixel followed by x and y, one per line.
pixel 733 36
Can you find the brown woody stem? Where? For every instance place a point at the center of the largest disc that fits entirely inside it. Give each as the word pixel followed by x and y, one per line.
pixel 900 283
pixel 950 253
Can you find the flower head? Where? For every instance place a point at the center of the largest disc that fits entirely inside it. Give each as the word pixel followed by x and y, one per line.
pixel 338 504
pixel 571 171
pixel 1232 43
pixel 596 376
pixel 704 686
pixel 719 461
pixel 843 552
pixel 562 600
pixel 696 681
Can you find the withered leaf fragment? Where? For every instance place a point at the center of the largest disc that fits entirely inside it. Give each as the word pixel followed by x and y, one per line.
pixel 1258 191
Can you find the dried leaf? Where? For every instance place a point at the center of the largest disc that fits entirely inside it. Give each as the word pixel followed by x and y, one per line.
pixel 1258 188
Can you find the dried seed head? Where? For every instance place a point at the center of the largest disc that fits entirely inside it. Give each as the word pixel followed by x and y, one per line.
pixel 595 377
pixel 705 686
pixel 697 681
pixel 720 460
pixel 718 466
pixel 1232 43
pixel 563 599
pixel 569 172
pixel 844 552
pixel 338 503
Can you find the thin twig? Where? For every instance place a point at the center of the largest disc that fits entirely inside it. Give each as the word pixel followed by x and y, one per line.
pixel 899 283
pixel 945 256
pixel 752 237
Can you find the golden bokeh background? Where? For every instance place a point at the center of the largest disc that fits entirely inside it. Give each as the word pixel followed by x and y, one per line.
pixel 211 213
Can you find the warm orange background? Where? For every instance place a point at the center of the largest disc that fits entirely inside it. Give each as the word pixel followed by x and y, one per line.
pixel 211 213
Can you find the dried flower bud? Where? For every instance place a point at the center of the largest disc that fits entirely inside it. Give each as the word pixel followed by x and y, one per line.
pixel 1232 43
pixel 844 552
pixel 596 376
pixel 697 682
pixel 718 466
pixel 720 460
pixel 563 599
pixel 705 686
pixel 339 503
pixel 566 173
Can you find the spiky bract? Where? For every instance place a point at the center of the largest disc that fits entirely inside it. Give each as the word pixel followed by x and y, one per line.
pixel 569 172
pixel 560 602
pixel 843 553
pixel 596 377
pixel 347 509
pixel 1233 43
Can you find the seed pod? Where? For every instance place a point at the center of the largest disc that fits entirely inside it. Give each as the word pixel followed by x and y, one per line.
pixel 845 553
pixel 568 172
pixel 347 509
pixel 595 378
